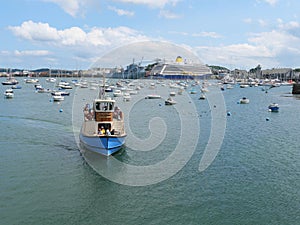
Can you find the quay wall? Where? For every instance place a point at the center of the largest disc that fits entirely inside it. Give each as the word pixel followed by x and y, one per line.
pixel 296 89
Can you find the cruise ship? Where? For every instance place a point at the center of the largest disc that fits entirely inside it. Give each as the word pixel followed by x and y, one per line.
pixel 180 69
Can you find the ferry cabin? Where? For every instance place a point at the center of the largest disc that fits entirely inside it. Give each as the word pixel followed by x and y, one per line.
pixel 105 116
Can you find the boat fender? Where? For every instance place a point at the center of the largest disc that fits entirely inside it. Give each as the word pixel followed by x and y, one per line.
pixel 61 110
pixel 267 119
pixel 228 113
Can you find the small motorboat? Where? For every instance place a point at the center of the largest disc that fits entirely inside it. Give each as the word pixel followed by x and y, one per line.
pixel 62 93
pixel 51 79
pixel 153 96
pixel 31 80
pixel 244 85
pixel 58 97
pixel 16 87
pixel 244 100
pixel 204 89
pixel 133 92
pixel 274 107
pixel 43 90
pixel 170 101
pixel 193 91
pixel 117 93
pixel 126 97
pixel 180 91
pixel 9 93
pixel 172 93
pixel 202 97
pixel 229 86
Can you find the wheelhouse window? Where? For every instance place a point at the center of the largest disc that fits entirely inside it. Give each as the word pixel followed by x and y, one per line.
pixel 104 106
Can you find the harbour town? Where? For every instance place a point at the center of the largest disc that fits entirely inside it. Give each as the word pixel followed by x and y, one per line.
pixel 150 112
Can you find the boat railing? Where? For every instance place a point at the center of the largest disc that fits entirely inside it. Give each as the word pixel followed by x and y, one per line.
pixel 119 127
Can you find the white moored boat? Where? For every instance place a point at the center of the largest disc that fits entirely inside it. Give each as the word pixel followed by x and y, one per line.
pixel 152 96
pixel 244 100
pixel 103 129
pixel 118 93
pixel 10 81
pixel 126 97
pixel 202 97
pixel 170 101
pixel 172 93
pixel 9 93
pixel 57 97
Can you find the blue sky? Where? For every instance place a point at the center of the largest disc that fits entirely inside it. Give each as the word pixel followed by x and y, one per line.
pixel 73 34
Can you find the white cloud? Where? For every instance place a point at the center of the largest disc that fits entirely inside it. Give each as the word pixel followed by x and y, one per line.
pixel 271 2
pixel 234 56
pixel 69 6
pixel 78 43
pixel 35 31
pixel 207 34
pixel 276 41
pixel 78 7
pixel 71 36
pixel 248 20
pixel 151 3
pixel 201 34
pixel 262 22
pixel 168 15
pixel 121 12
pixel 288 26
pixel 276 48
pixel 75 36
pixel 32 53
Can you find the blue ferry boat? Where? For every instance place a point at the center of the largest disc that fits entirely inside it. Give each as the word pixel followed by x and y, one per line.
pixel 103 129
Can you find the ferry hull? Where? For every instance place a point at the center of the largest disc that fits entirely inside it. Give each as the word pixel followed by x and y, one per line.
pixel 104 145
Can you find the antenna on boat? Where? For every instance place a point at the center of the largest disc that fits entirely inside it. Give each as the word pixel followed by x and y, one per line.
pixel 102 89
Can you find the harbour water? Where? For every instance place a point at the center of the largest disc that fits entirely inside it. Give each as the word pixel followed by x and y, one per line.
pixel 254 178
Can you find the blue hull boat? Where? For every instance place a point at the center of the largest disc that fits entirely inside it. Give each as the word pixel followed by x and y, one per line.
pixel 273 107
pixel 104 145
pixel 102 129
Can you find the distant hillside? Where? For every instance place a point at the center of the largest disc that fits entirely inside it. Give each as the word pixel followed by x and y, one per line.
pixel 37 72
pixel 218 68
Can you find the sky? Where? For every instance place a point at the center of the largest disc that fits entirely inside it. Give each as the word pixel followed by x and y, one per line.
pixel 74 34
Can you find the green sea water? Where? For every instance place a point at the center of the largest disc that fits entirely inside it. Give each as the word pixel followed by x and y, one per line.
pixel 254 179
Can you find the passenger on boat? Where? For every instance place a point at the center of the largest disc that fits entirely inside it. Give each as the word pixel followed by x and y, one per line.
pixel 102 130
pixel 88 113
pixel 117 113
pixel 108 132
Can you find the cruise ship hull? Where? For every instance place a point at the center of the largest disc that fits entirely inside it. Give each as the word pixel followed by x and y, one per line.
pixel 180 77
